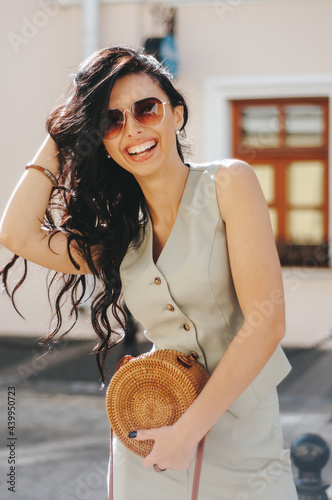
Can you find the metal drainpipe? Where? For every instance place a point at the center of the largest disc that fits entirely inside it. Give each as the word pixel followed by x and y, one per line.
pixel 90 18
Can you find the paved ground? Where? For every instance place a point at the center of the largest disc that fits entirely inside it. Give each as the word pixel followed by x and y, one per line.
pixel 62 432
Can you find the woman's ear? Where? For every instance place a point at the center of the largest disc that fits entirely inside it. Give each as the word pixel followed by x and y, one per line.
pixel 178 116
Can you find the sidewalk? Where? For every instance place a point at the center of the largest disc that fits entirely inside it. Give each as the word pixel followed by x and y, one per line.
pixel 62 430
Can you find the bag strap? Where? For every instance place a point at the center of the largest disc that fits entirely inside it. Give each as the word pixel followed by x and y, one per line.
pixel 110 486
pixel 198 466
pixel 197 473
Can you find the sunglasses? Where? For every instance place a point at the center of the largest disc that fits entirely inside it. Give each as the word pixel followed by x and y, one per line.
pixel 149 111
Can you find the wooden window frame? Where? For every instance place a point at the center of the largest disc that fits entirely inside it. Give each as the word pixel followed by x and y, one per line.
pixel 280 157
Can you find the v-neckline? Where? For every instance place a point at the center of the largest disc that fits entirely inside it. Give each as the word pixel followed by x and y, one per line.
pixel 174 225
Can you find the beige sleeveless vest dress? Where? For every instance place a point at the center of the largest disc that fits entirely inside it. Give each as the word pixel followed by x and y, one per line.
pixel 187 302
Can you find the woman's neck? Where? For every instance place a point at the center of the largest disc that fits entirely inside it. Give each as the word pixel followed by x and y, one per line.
pixel 163 193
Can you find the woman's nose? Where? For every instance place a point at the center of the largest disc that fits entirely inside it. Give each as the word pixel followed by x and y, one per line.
pixel 131 126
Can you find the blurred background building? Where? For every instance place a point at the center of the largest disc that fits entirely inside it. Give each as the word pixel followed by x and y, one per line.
pixel 257 75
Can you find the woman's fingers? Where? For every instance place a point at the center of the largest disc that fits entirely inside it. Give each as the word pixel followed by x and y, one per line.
pixel 168 451
pixel 142 435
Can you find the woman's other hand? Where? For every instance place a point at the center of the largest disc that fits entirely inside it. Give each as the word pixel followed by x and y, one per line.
pixel 171 450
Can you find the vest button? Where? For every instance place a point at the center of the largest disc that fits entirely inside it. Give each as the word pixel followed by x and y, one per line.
pixel 170 307
pixel 186 327
pixel 157 280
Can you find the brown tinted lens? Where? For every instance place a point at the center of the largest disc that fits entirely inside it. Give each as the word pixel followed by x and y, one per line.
pixel 148 111
pixel 115 120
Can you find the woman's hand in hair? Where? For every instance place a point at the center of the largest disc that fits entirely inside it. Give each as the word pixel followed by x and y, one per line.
pixel 21 228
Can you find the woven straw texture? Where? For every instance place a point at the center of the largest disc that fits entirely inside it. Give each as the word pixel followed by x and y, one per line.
pixel 150 391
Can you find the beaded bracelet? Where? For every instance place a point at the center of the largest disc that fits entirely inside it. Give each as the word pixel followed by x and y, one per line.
pixel 46 172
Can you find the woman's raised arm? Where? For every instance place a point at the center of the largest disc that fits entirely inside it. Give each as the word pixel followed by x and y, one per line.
pixel 21 229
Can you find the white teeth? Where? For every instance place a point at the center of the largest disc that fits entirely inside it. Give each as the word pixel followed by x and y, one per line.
pixel 142 147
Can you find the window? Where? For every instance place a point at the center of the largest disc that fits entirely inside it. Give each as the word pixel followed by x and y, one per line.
pixel 286 142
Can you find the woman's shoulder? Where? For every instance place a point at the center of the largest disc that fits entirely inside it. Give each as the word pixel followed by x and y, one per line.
pixel 234 182
pixel 225 165
pixel 226 173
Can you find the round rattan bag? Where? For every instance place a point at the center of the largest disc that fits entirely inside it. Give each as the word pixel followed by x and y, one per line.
pixel 152 390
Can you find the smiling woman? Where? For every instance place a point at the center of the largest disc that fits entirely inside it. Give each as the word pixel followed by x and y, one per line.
pixel 142 126
pixel 190 250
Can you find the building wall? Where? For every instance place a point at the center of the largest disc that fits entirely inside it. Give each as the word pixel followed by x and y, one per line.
pixel 42 47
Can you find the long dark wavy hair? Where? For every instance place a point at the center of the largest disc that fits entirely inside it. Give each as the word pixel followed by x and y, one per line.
pixel 98 204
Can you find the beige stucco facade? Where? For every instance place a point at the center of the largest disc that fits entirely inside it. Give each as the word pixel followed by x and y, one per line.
pixel 228 49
